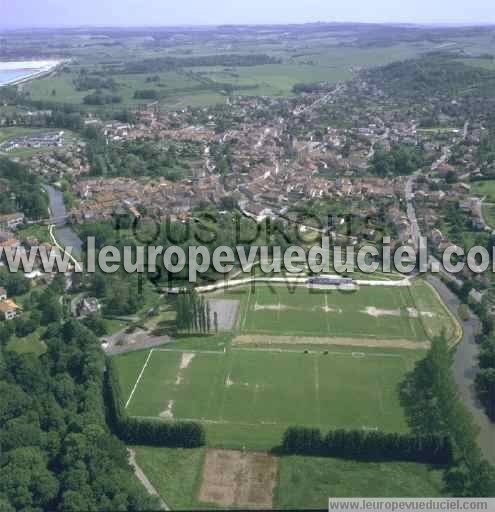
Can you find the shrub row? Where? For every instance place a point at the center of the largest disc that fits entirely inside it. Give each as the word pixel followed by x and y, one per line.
pixel 177 434
pixel 370 446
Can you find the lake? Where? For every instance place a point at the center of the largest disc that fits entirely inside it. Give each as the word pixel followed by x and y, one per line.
pixel 10 71
pixel 10 75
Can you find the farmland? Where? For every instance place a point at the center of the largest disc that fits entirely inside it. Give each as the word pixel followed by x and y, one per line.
pixel 324 60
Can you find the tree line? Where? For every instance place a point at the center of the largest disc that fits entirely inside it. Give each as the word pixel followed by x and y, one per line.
pixel 430 398
pixel 368 445
pixel 170 63
pixel 193 313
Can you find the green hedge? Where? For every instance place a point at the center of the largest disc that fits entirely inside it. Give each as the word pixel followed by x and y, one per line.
pixel 370 446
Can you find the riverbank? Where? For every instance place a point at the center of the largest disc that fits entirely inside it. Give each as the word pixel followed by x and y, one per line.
pixel 58 213
pixel 465 368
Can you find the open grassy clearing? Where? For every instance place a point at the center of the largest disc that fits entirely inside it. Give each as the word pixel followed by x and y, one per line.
pixel 484 188
pixel 174 472
pixel 248 397
pixel 307 482
pixel 31 344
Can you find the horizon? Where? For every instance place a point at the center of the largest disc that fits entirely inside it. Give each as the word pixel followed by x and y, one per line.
pixel 405 24
pixel 194 13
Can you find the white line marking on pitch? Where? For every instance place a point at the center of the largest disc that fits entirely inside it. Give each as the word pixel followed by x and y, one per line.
pixel 185 350
pixel 321 351
pixel 138 379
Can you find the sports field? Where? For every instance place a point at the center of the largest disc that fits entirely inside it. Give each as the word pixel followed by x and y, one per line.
pixel 372 312
pixel 247 397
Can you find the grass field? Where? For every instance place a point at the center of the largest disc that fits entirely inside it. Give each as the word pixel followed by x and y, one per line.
pixel 303 482
pixel 307 482
pixel 248 397
pixel 11 133
pixel 489 214
pixel 484 188
pixel 175 473
pixel 391 313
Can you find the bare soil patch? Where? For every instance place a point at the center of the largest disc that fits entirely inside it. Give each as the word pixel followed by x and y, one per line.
pixel 185 361
pixel 167 413
pixel 261 339
pixel 372 311
pixel 238 479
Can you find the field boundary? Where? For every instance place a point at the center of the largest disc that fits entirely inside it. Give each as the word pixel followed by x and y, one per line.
pixel 269 339
pixel 138 379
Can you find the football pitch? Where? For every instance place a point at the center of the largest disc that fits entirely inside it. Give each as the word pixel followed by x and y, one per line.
pixel 248 397
pixel 376 312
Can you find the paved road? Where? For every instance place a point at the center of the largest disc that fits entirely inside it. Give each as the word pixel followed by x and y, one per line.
pixel 122 342
pixel 465 369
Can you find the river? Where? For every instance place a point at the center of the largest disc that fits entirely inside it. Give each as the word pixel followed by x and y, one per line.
pixel 465 368
pixel 65 235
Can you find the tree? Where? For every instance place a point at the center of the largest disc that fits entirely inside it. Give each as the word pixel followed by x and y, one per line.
pixel 485 388
pixel 50 308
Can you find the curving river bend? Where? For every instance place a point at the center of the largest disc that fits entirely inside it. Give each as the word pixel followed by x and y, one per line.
pixel 465 368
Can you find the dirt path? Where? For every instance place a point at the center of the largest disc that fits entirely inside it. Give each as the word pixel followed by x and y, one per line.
pixel 144 479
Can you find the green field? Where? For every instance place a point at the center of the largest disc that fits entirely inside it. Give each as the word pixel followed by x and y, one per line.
pixel 307 482
pixel 390 313
pixel 303 482
pixel 175 473
pixel 248 397
pixel 484 188
pixel 489 214
pixel 13 132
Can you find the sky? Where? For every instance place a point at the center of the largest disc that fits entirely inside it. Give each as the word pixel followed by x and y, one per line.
pixel 55 13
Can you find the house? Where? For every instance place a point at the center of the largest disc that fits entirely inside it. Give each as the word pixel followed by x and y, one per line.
pixel 11 220
pixel 88 306
pixel 3 294
pixel 8 309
